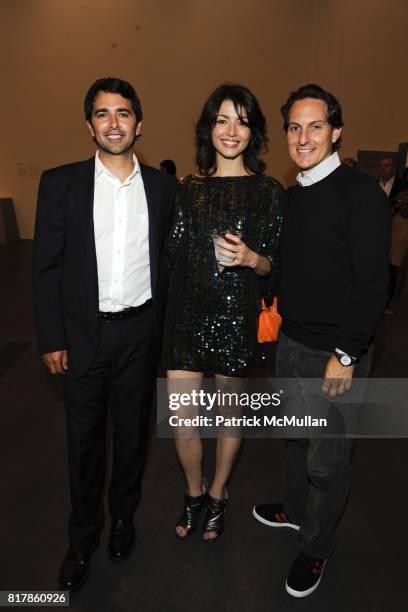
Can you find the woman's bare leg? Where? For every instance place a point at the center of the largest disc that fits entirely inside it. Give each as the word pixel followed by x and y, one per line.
pixel 227 447
pixel 187 440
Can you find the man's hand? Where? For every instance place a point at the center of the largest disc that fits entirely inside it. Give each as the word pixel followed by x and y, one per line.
pixel 337 378
pixel 56 362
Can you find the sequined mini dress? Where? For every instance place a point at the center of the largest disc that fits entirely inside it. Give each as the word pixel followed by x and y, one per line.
pixel 212 315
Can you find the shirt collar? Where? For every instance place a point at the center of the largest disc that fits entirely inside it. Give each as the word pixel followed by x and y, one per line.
pixel 390 181
pixel 100 169
pixel 319 172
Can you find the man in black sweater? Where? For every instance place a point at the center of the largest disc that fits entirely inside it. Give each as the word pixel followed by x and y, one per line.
pixel 333 288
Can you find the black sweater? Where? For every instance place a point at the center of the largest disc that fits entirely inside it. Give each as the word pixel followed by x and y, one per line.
pixel 334 261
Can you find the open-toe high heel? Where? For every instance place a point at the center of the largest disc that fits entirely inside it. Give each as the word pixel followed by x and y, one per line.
pixel 193 507
pixel 215 510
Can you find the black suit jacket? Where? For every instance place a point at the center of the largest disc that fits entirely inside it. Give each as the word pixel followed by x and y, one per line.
pixel 66 298
pixel 398 186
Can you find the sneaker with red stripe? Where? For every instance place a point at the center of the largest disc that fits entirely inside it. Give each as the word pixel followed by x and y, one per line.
pixel 273 516
pixel 305 575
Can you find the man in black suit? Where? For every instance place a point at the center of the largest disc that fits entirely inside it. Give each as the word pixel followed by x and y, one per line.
pixel 99 294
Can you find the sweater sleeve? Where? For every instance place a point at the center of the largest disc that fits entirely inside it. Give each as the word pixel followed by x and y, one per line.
pixel 176 232
pixel 268 284
pixel 369 238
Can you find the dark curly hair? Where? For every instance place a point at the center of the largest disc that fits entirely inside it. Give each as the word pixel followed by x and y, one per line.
pixel 242 98
pixel 334 113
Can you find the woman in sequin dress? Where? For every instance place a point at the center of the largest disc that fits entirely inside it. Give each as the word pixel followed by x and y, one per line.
pixel 213 302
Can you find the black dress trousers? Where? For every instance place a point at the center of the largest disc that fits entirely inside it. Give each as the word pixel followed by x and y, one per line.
pixel 120 379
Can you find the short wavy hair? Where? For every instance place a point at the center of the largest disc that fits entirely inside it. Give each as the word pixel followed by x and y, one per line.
pixel 242 98
pixel 112 85
pixel 334 113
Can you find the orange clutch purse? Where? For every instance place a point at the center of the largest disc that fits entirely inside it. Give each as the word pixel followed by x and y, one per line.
pixel 269 323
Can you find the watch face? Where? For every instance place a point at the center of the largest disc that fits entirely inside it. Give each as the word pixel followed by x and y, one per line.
pixel 345 360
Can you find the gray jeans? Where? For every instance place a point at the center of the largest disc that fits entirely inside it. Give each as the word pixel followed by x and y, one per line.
pixel 318 469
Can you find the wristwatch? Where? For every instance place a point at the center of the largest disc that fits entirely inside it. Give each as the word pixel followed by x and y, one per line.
pixel 344 359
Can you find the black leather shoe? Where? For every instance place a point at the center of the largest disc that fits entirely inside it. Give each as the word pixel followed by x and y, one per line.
pixel 74 570
pixel 121 540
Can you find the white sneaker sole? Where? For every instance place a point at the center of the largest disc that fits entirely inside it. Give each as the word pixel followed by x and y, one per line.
pixel 300 594
pixel 273 523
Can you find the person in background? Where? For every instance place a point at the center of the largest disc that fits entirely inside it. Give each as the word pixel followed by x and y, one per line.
pixel 399 250
pixel 333 288
pixel 388 181
pixel 168 166
pixel 350 162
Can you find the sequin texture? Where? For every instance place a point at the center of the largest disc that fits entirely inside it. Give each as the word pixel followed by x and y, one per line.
pixel 212 316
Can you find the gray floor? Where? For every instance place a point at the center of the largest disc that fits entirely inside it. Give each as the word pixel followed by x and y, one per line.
pixel 246 569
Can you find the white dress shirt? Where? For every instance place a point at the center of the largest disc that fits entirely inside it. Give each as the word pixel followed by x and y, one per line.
pixel 387 186
pixel 319 172
pixel 121 223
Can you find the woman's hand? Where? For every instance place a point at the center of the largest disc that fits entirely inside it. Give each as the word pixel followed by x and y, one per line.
pixel 232 246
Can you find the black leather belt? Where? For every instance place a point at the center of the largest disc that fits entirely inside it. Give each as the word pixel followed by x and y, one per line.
pixel 125 314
